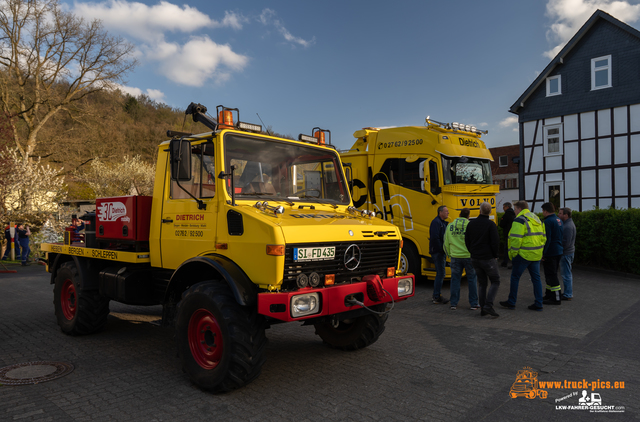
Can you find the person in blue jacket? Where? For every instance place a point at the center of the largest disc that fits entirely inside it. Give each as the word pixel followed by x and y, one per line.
pixel 23 234
pixel 552 254
pixel 436 250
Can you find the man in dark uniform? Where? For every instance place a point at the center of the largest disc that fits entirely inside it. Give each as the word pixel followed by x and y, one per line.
pixel 505 224
pixel 24 233
pixel 436 250
pixel 552 253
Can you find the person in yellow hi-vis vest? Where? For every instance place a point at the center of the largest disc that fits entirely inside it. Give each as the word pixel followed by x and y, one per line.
pixel 526 244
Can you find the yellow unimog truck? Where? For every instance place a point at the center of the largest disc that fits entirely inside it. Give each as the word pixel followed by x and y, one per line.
pixel 404 174
pixel 231 242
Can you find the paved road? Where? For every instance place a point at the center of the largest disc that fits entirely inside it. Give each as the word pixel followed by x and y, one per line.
pixel 430 364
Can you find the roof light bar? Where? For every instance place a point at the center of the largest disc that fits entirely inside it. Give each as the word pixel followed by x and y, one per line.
pixel 249 127
pixel 307 138
pixel 456 126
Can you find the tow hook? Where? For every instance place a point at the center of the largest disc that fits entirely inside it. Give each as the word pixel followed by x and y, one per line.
pixel 334 321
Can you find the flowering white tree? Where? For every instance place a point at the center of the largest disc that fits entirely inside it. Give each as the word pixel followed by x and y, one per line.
pixel 132 176
pixel 29 191
pixel 31 187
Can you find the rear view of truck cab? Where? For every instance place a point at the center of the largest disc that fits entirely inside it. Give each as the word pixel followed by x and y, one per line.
pixel 248 230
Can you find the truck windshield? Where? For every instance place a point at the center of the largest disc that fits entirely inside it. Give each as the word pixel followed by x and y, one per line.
pixel 281 171
pixel 466 170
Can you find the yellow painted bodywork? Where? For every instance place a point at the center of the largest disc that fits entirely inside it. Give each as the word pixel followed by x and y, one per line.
pixel 109 255
pixel 323 224
pixel 179 230
pixel 409 209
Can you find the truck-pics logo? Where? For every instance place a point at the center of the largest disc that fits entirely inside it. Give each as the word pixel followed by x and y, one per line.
pixel 111 211
pixel 526 385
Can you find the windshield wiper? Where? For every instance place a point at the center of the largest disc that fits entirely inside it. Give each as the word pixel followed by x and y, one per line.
pixel 270 198
pixel 479 187
pixel 319 201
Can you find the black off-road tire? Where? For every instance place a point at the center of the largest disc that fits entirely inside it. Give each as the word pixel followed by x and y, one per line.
pixel 410 260
pixel 78 311
pixel 353 334
pixel 222 345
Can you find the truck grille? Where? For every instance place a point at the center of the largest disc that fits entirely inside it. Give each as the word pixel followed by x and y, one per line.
pixel 376 257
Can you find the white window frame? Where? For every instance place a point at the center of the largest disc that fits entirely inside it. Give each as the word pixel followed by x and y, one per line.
pixel 551 183
pixel 545 130
pixel 595 69
pixel 506 163
pixel 549 79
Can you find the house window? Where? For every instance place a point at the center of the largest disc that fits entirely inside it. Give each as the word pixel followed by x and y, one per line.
pixel 554 193
pixel 511 183
pixel 552 140
pixel 554 86
pixel 503 161
pixel 601 72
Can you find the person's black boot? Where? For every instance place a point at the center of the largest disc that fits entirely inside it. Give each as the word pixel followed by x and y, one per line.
pixel 552 299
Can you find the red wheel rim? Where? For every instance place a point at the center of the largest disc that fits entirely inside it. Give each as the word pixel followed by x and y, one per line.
pixel 205 339
pixel 68 299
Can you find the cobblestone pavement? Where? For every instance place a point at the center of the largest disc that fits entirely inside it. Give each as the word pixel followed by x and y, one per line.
pixel 430 364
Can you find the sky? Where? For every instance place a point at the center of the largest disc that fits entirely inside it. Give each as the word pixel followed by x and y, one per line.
pixel 348 64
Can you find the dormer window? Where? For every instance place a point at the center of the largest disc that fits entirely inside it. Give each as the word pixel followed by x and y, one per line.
pixel 554 86
pixel 601 72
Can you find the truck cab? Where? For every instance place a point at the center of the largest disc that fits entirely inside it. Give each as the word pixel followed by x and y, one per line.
pixel 404 174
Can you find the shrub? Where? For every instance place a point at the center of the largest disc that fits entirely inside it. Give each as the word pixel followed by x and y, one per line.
pixel 608 239
pixel 605 238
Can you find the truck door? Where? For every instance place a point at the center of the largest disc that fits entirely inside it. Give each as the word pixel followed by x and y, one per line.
pixel 188 213
pixel 396 193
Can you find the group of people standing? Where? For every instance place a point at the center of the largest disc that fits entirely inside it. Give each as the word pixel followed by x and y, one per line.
pixel 473 246
pixel 21 239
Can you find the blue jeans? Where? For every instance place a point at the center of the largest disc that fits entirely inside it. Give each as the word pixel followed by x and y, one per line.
pixel 24 244
pixel 440 261
pixel 519 265
pixel 457 264
pixel 567 277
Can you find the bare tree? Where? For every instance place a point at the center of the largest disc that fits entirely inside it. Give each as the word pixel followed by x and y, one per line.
pixel 49 60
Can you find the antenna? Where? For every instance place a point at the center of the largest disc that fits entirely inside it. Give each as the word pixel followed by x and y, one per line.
pixel 265 126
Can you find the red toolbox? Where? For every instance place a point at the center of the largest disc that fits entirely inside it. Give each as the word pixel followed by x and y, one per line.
pixel 123 218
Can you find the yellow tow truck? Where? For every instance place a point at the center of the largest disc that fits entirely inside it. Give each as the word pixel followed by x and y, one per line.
pixel 404 174
pixel 243 230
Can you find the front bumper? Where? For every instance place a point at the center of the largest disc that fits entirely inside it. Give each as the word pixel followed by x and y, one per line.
pixel 332 299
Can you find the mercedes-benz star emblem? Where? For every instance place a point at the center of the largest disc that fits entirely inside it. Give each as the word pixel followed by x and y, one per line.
pixel 352 257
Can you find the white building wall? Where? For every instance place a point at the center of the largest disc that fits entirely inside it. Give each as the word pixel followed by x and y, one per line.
pixel 506 195
pixel 599 164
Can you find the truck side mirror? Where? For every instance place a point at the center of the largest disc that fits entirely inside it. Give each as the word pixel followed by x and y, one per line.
pixel 180 151
pixel 348 175
pixel 421 174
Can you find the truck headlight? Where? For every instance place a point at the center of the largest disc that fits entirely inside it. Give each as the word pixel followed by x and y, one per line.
pixel 306 304
pixel 405 286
